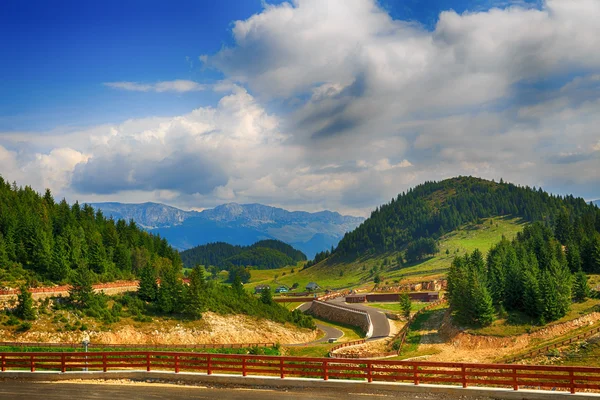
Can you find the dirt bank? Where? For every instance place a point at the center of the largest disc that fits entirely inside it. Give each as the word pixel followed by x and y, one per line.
pixel 454 345
pixel 213 328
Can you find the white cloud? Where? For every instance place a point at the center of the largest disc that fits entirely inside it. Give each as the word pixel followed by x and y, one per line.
pixel 377 105
pixel 179 86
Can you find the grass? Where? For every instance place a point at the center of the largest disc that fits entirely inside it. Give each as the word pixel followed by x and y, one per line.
pixel 395 307
pixel 518 323
pixel 321 350
pixel 413 338
pixel 356 274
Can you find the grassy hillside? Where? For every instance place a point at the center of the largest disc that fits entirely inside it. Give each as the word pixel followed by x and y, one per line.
pixel 357 273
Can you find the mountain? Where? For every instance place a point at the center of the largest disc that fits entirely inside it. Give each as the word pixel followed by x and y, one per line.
pixel 596 202
pixel 146 215
pixel 429 210
pixel 266 254
pixel 237 224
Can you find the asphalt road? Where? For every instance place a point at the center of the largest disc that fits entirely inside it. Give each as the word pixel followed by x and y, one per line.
pixel 69 390
pixel 381 326
pixel 330 332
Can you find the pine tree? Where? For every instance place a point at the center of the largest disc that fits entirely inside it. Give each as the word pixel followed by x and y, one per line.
pixel 59 266
pixel 170 291
pixel 194 294
pixel 81 292
pixel 581 289
pixel 147 287
pixel 266 296
pixel 24 309
pixel 405 305
pixel 482 307
pixel 237 285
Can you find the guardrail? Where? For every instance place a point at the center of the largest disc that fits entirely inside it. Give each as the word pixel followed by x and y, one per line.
pixel 543 349
pixel 65 288
pixel 513 376
pixel 139 346
pixel 404 331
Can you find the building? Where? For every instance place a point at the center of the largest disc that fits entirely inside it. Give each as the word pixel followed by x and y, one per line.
pixel 311 287
pixel 260 288
pixel 281 289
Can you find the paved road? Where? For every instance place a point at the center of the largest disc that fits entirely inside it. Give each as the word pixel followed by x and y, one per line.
pixel 80 391
pixel 330 332
pixel 381 325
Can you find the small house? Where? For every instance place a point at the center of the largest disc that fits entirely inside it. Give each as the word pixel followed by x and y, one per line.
pixel 311 287
pixel 260 288
pixel 281 289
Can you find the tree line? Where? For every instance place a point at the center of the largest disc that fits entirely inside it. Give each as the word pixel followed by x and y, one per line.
pixel 538 273
pixel 45 240
pixel 265 254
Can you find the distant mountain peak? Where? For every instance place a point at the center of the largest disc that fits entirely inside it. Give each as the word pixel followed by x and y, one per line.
pixel 235 223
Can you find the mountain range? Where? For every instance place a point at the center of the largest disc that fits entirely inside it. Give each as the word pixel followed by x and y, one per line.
pixel 238 224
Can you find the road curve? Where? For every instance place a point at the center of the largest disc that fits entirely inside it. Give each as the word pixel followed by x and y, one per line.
pixel 381 326
pixel 330 331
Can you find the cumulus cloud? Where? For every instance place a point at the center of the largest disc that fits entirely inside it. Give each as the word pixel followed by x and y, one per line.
pixel 179 86
pixel 374 105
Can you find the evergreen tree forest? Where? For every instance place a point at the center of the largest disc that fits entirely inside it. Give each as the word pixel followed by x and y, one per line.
pixel 265 254
pixel 45 240
pixel 432 209
pixel 173 297
pixel 539 273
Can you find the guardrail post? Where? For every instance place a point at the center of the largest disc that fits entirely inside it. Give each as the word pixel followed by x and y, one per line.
pixel 515 382
pixel 369 373
pixel 63 366
pixel 464 376
pixel 244 372
pixel 416 373
pixel 32 363
pixel 176 363
pixel 572 381
pixel 281 373
pixel 325 375
pixel 3 362
pixel 148 362
pixel 104 362
pixel 208 366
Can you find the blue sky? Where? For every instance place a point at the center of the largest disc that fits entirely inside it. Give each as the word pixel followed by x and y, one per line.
pixel 60 53
pixel 318 104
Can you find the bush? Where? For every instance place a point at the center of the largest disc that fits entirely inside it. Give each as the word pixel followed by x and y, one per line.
pixel 24 327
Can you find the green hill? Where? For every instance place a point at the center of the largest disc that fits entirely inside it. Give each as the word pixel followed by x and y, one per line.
pixel 265 254
pixel 430 210
pixel 43 240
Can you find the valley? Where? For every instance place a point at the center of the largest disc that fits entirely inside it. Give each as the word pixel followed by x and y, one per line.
pixel 228 292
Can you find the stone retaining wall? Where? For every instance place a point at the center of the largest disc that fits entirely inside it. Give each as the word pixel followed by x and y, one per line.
pixel 342 315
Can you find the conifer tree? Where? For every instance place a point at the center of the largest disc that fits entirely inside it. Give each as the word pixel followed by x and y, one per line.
pixel 81 292
pixel 24 309
pixel 483 307
pixel 194 293
pixel 148 287
pixel 266 296
pixel 405 305
pixel 170 291
pixel 581 290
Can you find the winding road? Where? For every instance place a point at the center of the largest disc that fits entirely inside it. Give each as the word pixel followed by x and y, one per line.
pixel 381 326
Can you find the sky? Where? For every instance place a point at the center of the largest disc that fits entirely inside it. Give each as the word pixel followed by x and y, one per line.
pixel 305 105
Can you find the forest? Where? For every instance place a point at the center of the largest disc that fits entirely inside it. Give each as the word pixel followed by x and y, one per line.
pixel 539 273
pixel 432 209
pixel 265 254
pixel 42 240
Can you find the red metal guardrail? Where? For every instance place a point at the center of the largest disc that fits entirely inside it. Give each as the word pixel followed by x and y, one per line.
pixel 568 378
pixel 65 288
